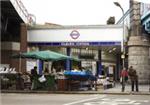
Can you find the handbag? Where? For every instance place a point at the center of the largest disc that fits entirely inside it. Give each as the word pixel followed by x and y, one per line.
pixel 42 78
pixel 121 79
pixel 126 78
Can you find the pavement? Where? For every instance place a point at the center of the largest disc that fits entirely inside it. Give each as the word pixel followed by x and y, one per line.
pixel 143 89
pixel 116 90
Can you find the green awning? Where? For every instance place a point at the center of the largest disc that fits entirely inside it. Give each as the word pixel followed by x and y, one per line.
pixel 45 55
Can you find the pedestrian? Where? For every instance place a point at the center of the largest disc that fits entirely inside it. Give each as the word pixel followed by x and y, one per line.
pixel 124 78
pixel 34 71
pixel 34 78
pixel 46 71
pixel 134 78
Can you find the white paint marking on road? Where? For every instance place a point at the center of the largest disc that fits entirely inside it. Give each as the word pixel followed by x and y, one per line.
pixel 145 101
pixel 105 99
pixel 95 95
pixel 76 102
pixel 117 101
pixel 137 103
pixel 120 99
pixel 142 101
pixel 107 103
pixel 132 102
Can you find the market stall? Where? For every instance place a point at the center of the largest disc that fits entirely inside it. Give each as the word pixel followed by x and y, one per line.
pixel 47 84
pixel 80 80
pixel 11 80
pixel 43 56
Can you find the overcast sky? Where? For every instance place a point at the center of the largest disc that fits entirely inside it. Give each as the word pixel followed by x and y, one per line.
pixel 75 12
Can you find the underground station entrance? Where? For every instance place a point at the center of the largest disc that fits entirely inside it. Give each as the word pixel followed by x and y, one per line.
pixel 96 48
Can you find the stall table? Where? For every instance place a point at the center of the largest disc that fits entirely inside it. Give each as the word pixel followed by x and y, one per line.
pixel 80 80
pixel 11 81
pixel 49 84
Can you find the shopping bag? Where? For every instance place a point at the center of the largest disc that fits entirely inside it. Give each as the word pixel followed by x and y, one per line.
pixel 121 79
pixel 42 78
pixel 126 78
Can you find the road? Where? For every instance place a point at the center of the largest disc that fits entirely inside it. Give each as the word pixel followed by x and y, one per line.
pixel 73 99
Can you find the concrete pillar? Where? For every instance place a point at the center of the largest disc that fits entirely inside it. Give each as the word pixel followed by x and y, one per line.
pixel 138 45
pixel 99 63
pixel 118 67
pixel 68 61
pixel 135 18
pixel 138 57
pixel 23 45
pixel 41 69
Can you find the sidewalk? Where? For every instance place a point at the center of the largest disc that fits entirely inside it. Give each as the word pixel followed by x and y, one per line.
pixel 143 90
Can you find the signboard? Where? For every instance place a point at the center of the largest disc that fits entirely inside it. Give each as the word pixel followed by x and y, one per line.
pixel 145 16
pixel 111 70
pixel 30 65
pixel 143 1
pixel 145 8
pixel 77 43
pixel 74 34
pixel 147 26
pixel 82 36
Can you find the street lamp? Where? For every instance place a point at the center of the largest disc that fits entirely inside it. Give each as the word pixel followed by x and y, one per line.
pixel 122 46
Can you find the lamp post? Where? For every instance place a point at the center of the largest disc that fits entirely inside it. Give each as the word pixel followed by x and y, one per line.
pixel 122 46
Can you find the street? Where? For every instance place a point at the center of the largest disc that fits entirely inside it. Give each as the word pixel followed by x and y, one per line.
pixel 73 99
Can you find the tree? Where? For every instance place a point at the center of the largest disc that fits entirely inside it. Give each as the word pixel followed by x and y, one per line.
pixel 111 20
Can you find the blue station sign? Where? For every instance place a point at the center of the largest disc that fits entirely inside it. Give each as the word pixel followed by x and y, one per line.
pixel 77 43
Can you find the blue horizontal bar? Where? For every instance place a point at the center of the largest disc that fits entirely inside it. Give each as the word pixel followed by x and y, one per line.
pixel 76 43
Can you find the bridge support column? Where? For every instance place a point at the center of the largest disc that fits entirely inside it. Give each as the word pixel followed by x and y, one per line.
pixel 23 45
pixel 138 45
pixel 138 57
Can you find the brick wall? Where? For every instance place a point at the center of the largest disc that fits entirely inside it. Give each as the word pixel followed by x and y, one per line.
pixel 23 44
pixel 6 58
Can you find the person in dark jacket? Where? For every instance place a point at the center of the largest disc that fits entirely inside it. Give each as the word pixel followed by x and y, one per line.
pixel 34 71
pixel 34 77
pixel 134 78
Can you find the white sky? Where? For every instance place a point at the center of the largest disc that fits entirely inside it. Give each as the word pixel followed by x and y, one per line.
pixel 75 12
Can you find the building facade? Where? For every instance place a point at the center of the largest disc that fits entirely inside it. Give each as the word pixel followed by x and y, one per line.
pixel 15 39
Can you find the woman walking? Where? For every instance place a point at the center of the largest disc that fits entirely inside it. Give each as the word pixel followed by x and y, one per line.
pixel 124 78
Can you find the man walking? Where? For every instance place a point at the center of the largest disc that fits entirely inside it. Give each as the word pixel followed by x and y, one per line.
pixel 134 78
pixel 34 78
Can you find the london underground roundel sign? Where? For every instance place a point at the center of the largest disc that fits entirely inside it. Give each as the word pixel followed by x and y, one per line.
pixel 74 34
